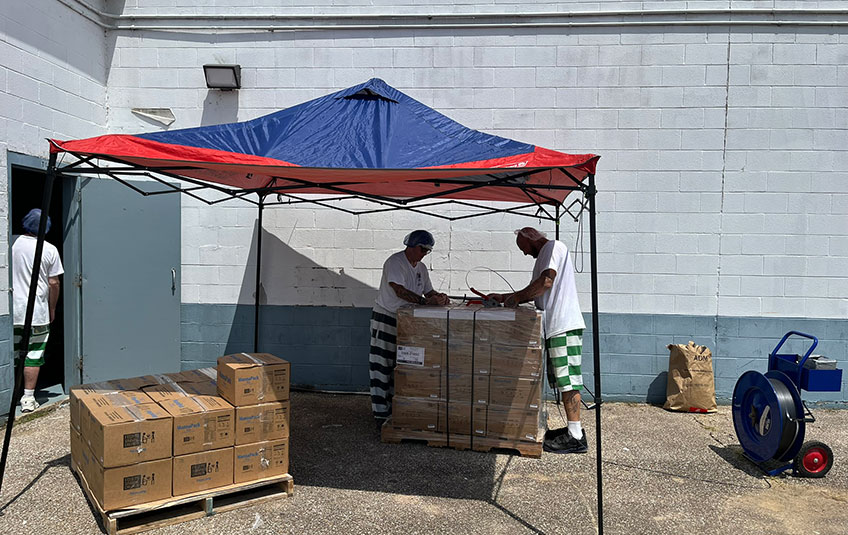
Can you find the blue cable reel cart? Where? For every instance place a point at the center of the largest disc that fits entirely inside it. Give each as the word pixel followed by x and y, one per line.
pixel 770 417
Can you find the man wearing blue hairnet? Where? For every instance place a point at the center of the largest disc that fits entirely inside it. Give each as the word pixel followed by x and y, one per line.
pixel 47 295
pixel 405 280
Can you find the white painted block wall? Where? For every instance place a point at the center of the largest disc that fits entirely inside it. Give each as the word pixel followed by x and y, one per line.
pixel 723 171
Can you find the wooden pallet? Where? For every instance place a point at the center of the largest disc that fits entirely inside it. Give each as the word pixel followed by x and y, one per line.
pixel 169 511
pixel 395 435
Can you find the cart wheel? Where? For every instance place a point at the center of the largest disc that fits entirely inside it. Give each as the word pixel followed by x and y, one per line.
pixel 814 459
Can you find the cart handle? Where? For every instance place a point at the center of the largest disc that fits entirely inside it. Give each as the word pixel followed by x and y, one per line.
pixel 797 333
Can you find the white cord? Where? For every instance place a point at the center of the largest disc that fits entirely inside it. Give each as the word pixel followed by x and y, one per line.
pixel 490 269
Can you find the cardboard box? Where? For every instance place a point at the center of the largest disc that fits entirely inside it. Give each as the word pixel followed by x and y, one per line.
pixel 260 460
pixel 415 382
pixel 78 454
pixel 105 400
pixel 430 415
pixel 119 436
pixel 515 392
pixel 465 357
pixel 438 385
pixel 262 422
pixel 424 322
pixel 421 352
pixel 200 424
pixel 115 488
pixel 520 326
pixel 512 422
pixel 202 471
pixel 81 391
pixel 251 378
pixel 164 392
pixel 202 388
pixel 198 376
pixel 415 413
pixel 516 361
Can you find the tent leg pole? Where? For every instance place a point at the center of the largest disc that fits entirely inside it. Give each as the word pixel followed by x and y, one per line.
pixel 258 276
pixel 33 290
pixel 596 346
pixel 556 224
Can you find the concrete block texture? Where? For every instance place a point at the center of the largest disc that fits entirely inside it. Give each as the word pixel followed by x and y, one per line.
pixel 723 152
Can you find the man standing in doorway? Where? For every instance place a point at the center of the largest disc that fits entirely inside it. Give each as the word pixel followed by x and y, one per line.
pixel 405 280
pixel 553 289
pixel 47 295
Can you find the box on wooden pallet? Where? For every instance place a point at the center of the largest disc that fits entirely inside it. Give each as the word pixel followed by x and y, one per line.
pixel 106 399
pixel 520 326
pixel 423 322
pixel 438 385
pixel 202 388
pixel 200 424
pixel 123 486
pixel 512 422
pixel 164 392
pixel 260 460
pixel 200 375
pixel 516 361
pixel 265 421
pixel 79 392
pixel 520 392
pixel 430 415
pixel 202 471
pixel 125 435
pixel 251 378
pixel 421 353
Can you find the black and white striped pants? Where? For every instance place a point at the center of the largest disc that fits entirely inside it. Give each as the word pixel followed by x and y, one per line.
pixel 382 361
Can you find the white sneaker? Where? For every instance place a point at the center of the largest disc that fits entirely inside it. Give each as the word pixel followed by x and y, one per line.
pixel 28 404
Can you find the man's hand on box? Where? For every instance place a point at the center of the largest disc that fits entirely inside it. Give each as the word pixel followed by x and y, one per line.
pixel 438 299
pixel 499 298
pixel 511 301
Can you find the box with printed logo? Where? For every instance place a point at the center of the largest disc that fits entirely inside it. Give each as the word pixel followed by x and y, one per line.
pixel 265 421
pixel 251 378
pixel 119 436
pixel 260 460
pixel 105 400
pixel 202 471
pixel 125 486
pixel 200 423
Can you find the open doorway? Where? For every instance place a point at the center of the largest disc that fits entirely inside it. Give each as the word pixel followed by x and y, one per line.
pixel 27 189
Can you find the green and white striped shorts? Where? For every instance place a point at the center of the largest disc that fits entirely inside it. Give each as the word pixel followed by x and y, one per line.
pixel 565 355
pixel 37 344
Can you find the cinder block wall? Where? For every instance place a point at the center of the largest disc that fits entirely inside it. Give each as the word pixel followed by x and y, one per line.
pixel 53 70
pixel 723 204
pixel 723 193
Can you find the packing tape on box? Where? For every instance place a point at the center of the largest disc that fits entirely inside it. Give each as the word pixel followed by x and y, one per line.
pixel 261 394
pixel 137 417
pixel 209 423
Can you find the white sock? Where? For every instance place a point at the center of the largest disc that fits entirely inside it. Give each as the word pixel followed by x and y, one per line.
pixel 575 429
pixel 29 393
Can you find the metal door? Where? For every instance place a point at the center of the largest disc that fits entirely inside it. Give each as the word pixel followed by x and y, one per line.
pixel 130 281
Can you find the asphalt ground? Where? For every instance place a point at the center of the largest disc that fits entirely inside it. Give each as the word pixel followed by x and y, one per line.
pixel 663 473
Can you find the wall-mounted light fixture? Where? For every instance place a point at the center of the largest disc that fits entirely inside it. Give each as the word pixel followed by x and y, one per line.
pixel 224 77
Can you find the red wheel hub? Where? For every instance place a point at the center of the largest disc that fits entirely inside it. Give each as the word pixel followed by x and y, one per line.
pixel 815 460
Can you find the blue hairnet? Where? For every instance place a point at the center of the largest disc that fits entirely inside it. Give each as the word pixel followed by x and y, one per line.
pixel 419 237
pixel 32 219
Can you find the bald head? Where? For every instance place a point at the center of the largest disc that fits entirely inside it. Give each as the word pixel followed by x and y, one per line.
pixel 530 241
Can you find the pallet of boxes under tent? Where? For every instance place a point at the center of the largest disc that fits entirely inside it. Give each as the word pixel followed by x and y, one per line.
pixel 169 511
pixel 395 435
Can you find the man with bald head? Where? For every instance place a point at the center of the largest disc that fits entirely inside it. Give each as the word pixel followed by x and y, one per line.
pixel 554 291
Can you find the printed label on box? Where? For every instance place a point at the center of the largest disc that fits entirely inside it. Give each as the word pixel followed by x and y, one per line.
pixel 410 355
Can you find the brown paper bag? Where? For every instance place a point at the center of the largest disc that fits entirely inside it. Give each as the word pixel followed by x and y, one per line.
pixel 691 385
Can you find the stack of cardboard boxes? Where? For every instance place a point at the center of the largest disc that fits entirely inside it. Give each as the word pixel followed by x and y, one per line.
pixel 469 371
pixel 149 438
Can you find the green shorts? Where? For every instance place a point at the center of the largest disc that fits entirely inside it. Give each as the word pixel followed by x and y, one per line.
pixel 37 344
pixel 565 355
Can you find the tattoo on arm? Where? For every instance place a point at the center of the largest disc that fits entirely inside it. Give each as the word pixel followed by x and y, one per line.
pixel 406 295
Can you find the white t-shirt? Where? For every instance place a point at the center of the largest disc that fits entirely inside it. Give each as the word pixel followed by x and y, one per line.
pixel 562 310
pixel 23 257
pixel 398 270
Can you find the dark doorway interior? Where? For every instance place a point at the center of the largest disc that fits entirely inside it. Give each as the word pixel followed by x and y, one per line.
pixel 27 190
